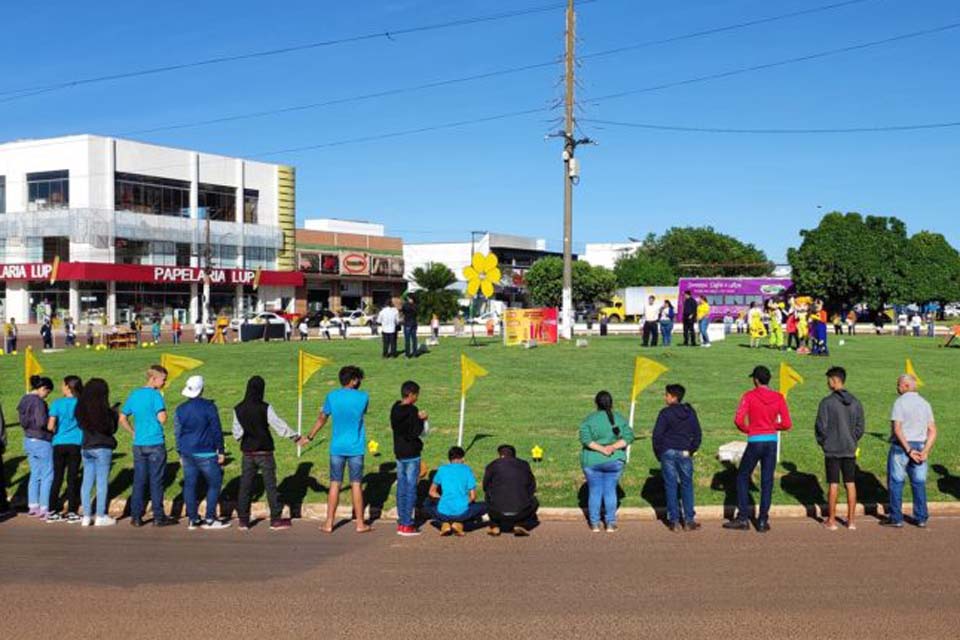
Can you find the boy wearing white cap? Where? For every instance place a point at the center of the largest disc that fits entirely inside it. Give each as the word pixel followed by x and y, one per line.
pixel 200 445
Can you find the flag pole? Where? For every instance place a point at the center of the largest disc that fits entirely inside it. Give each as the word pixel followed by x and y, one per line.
pixel 299 402
pixel 463 406
pixel 633 412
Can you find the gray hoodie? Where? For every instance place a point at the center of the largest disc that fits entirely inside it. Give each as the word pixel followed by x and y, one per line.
pixel 840 424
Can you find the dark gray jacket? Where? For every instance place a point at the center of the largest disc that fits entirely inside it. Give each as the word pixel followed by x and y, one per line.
pixel 840 424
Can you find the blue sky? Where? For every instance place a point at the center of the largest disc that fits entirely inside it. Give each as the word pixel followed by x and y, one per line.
pixel 503 175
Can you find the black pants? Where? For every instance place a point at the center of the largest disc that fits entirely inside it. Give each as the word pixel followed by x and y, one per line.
pixel 793 339
pixel 689 332
pixel 4 503
pixel 265 464
pixel 66 461
pixel 526 518
pixel 651 331
pixel 389 341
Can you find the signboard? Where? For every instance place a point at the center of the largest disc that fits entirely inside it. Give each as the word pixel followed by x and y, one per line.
pixel 732 296
pixel 354 264
pixel 520 325
pixel 386 266
pixel 108 272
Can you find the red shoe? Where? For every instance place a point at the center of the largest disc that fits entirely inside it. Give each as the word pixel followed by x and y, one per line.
pixel 407 530
pixel 280 524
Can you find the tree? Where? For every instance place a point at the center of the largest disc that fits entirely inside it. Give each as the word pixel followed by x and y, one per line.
pixel 640 269
pixel 933 269
pixel 434 297
pixel 545 282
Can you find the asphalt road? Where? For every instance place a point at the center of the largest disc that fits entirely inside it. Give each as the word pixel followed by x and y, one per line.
pixel 798 581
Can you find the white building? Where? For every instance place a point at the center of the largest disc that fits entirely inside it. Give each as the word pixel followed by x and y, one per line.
pixel 606 254
pixel 94 227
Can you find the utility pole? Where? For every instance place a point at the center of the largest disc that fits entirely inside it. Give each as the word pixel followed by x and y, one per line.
pixel 207 271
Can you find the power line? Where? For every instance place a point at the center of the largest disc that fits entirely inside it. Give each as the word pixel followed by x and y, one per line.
pixel 16 94
pixel 778 63
pixel 776 131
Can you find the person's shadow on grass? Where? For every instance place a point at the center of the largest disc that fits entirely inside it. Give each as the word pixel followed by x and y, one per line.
pixel 726 481
pixel 231 492
pixel 805 489
pixel 19 496
pixel 654 491
pixel 376 489
pixel 947 482
pixel 871 493
pixel 583 500
pixel 121 482
pixel 293 489
pixel 423 495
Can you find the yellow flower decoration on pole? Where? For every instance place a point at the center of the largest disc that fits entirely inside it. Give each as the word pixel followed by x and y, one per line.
pixel 482 274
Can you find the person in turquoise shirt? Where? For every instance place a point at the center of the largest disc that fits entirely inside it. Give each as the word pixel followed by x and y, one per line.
pixel 454 494
pixel 67 438
pixel 149 412
pixel 347 406
pixel 604 438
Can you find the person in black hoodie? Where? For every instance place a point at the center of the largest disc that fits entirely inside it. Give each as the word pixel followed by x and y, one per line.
pixel 99 422
pixel 839 427
pixel 510 489
pixel 676 437
pixel 252 420
pixel 689 320
pixel 408 424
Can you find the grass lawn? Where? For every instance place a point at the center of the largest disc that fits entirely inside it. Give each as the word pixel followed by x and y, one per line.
pixel 537 397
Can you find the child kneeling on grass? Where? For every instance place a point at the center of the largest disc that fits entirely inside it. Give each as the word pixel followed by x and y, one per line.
pixel 454 495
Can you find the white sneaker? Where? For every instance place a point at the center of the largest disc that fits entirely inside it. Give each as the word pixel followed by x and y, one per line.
pixel 104 521
pixel 215 524
pixel 86 521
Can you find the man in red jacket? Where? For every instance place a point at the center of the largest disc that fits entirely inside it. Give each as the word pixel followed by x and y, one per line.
pixel 761 414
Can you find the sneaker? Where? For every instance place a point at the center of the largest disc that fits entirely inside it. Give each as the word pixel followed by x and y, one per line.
pixel 33 512
pixel 280 524
pixel 104 521
pixel 445 529
pixel 407 530
pixel 53 517
pixel 922 524
pixel 215 525
pixel 194 524
pixel 595 528
pixel 673 526
pixel 493 531
pixel 136 522
pixel 612 528
pixel 243 525
pixel 520 532
pixel 458 529
pixel 86 521
pixel 737 524
pixel 42 514
pixel 165 521
pixel 691 526
pixel 763 526
pixel 72 518
pixel 890 522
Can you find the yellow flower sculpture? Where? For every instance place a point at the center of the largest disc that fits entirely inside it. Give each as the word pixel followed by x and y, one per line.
pixel 482 274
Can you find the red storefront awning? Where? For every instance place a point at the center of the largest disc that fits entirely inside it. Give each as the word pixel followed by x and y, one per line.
pixel 145 273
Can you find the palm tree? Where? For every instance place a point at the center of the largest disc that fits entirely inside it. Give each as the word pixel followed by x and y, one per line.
pixel 433 296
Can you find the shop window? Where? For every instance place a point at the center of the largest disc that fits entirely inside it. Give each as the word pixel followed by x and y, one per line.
pixel 56 247
pixel 217 202
pixel 259 257
pixel 132 251
pixel 151 195
pixel 48 190
pixel 33 249
pixel 251 202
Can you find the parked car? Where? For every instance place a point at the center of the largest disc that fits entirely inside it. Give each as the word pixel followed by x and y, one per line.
pixel 483 317
pixel 268 317
pixel 952 310
pixel 355 318
pixel 315 318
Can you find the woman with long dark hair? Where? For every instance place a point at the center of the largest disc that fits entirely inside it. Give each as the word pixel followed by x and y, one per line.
pixel 33 414
pixel 98 421
pixel 604 437
pixel 67 439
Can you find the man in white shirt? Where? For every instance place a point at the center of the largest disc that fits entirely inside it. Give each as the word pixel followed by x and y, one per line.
pixel 913 432
pixel 388 319
pixel 651 322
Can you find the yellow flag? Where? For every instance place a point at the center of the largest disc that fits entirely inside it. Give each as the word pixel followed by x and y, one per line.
pixel 645 373
pixel 469 372
pixel 910 371
pixel 176 365
pixel 789 378
pixel 309 365
pixel 31 367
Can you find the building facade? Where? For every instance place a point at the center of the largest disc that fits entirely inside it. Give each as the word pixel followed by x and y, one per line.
pixel 606 254
pixel 347 265
pixel 105 229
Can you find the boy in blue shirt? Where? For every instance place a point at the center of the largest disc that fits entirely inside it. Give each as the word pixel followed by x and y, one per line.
pixel 149 412
pixel 348 440
pixel 454 493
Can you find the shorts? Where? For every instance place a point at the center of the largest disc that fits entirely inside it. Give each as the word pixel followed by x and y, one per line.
pixel 337 463
pixel 847 467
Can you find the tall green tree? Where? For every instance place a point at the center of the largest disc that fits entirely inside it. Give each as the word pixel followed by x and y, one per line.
pixel 933 268
pixel 641 269
pixel 433 296
pixel 544 282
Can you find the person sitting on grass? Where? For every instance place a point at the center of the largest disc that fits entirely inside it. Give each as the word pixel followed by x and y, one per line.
pixel 454 494
pixel 510 489
pixel 676 437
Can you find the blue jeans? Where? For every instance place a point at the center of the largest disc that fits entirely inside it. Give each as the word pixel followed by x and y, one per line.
pixel 40 457
pixel 96 468
pixel 678 469
pixel 899 467
pixel 408 471
pixel 337 463
pixel 410 341
pixel 602 482
pixel 666 333
pixel 474 512
pixel 193 468
pixel 149 465
pixel 704 333
pixel 764 453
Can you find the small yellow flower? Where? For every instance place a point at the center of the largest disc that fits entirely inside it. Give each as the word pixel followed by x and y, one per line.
pixel 482 274
pixel 373 447
pixel 536 453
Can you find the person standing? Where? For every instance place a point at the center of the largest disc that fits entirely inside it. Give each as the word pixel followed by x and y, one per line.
pixel 409 312
pixel 851 323
pixel 840 425
pixel 145 405
pixel 913 433
pixel 408 424
pixel 676 438
pixel 604 324
pixel 837 324
pixel 46 334
pixel 510 489
pixel 916 323
pixel 67 438
pixel 703 320
pixel 253 419
pixel 98 422
pixel 689 320
pixel 604 438
pixel 347 406
pixel 34 416
pixel 10 335
pixel 667 315
pixel 777 320
pixel 177 328
pixel 89 334
pixel 651 322
pixel 435 327
pixel 70 332
pixel 387 319
pixel 199 438
pixel 902 321
pixel 458 325
pixel 793 339
pixel 303 329
pixel 453 494
pixel 931 324
pixel 762 413
pixel 155 329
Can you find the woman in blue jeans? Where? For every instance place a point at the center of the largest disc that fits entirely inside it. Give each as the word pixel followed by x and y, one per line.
pixel 667 316
pixel 604 438
pixel 98 421
pixel 37 445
